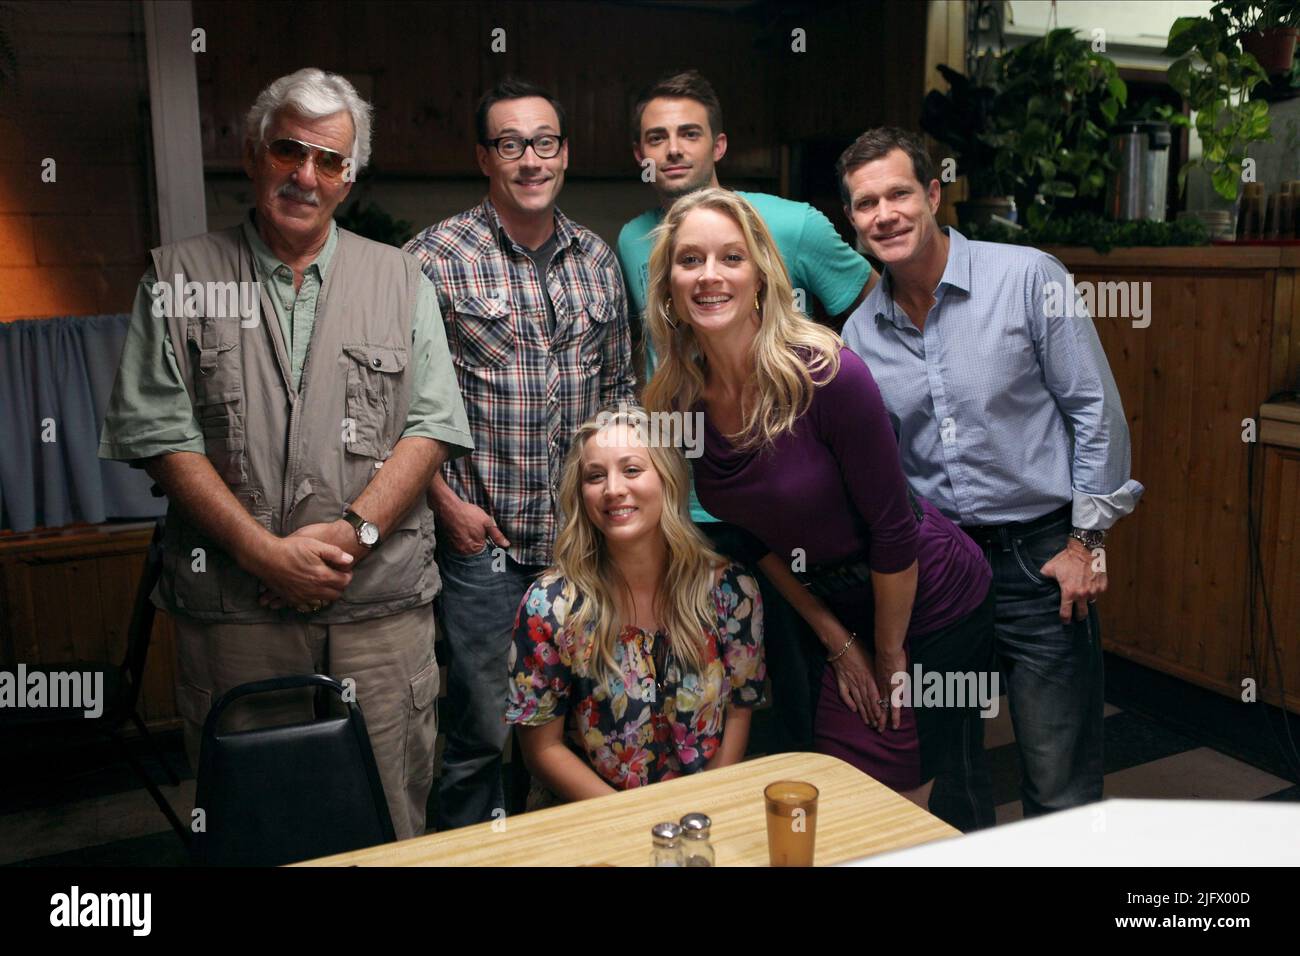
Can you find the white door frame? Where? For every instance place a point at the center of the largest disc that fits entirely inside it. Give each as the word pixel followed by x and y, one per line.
pixel 174 109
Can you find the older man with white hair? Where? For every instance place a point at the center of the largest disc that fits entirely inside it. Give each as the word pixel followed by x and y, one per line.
pixel 295 451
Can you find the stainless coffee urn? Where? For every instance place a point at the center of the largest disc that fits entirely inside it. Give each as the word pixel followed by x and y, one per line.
pixel 1140 153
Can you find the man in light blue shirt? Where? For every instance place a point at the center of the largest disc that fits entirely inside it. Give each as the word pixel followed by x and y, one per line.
pixel 1010 422
pixel 677 139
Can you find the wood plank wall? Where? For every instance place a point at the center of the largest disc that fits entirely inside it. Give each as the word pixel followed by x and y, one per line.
pixel 74 246
pixel 67 596
pixel 1280 546
pixel 1178 599
pixel 424 66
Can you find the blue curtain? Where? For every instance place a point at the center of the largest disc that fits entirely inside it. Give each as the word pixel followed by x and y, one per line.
pixel 55 379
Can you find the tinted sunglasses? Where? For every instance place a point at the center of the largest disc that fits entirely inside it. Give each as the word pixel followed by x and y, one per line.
pixel 289 153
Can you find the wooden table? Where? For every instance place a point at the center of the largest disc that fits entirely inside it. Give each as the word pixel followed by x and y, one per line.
pixel 856 816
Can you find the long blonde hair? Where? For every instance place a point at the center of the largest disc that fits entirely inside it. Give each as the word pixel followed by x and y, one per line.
pixel 683 605
pixel 783 378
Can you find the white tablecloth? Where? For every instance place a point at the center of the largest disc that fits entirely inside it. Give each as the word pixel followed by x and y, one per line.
pixel 1125 833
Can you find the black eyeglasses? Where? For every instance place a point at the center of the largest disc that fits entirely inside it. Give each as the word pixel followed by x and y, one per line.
pixel 512 147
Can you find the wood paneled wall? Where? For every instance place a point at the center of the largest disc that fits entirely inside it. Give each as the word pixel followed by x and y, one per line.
pixel 1217 347
pixel 67 596
pixel 864 66
pixel 74 246
pixel 1275 651
pixel 424 67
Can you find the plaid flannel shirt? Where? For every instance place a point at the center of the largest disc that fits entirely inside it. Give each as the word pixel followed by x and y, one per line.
pixel 525 390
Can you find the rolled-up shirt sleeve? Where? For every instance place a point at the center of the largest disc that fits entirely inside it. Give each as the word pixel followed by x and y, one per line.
pixel 437 410
pixel 149 411
pixel 853 422
pixel 1078 375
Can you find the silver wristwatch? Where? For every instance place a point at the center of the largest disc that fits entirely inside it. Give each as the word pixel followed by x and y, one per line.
pixel 1089 539
pixel 367 531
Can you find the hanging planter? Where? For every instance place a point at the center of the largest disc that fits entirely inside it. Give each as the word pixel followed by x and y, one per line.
pixel 1216 81
pixel 1274 48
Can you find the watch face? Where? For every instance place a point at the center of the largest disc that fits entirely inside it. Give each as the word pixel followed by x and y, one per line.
pixel 369 534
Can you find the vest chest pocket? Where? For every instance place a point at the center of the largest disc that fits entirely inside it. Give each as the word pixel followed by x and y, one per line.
pixel 374 374
pixel 484 336
pixel 219 392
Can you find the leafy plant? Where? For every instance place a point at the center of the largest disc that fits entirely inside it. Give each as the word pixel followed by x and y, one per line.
pixel 1059 100
pixel 1035 121
pixel 1088 229
pixel 373 222
pixel 1153 110
pixel 1250 16
pixel 1216 77
pixel 965 119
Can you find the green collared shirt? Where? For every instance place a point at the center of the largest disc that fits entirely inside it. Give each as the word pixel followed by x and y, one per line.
pixel 150 413
pixel 295 310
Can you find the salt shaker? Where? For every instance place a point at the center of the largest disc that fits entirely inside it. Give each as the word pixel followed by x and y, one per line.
pixel 696 848
pixel 667 845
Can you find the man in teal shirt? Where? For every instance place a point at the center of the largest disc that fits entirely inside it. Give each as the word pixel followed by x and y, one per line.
pixel 677 136
pixel 677 139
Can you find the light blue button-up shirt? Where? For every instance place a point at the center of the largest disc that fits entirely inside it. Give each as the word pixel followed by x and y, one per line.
pixel 1005 411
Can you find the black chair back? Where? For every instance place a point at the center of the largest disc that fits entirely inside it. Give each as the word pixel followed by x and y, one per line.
pixel 279 795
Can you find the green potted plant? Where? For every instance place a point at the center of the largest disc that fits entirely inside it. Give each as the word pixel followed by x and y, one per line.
pixel 1216 79
pixel 965 119
pixel 1058 102
pixel 1266 29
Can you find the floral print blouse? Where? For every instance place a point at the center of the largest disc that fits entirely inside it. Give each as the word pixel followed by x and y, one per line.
pixel 634 734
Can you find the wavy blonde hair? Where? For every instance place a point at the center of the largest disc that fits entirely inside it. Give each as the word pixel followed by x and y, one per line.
pixel 783 379
pixel 683 606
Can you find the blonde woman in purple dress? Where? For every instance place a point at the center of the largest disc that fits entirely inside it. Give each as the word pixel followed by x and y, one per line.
pixel 799 451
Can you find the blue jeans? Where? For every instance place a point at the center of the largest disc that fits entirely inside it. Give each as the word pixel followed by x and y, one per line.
pixel 1052 672
pixel 480 597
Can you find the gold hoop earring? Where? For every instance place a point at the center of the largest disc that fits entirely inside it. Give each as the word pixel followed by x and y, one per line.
pixel 663 311
pixel 757 305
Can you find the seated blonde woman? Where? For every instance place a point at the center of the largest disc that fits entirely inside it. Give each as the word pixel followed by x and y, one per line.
pixel 638 656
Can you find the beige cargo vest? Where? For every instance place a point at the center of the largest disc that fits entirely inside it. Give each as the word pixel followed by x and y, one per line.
pixel 295 457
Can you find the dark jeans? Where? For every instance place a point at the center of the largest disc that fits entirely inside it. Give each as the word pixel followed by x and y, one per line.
pixel 788 646
pixel 952 740
pixel 480 597
pixel 1052 672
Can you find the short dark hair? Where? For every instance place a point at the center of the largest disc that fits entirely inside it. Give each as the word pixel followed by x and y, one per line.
pixel 878 142
pixel 687 85
pixel 512 88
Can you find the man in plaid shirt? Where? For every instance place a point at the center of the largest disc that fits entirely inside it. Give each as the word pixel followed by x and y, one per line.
pixel 536 319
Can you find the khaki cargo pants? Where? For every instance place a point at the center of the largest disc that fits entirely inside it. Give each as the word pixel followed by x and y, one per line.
pixel 390 659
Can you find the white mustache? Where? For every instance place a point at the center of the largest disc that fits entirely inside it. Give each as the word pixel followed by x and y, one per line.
pixel 290 191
